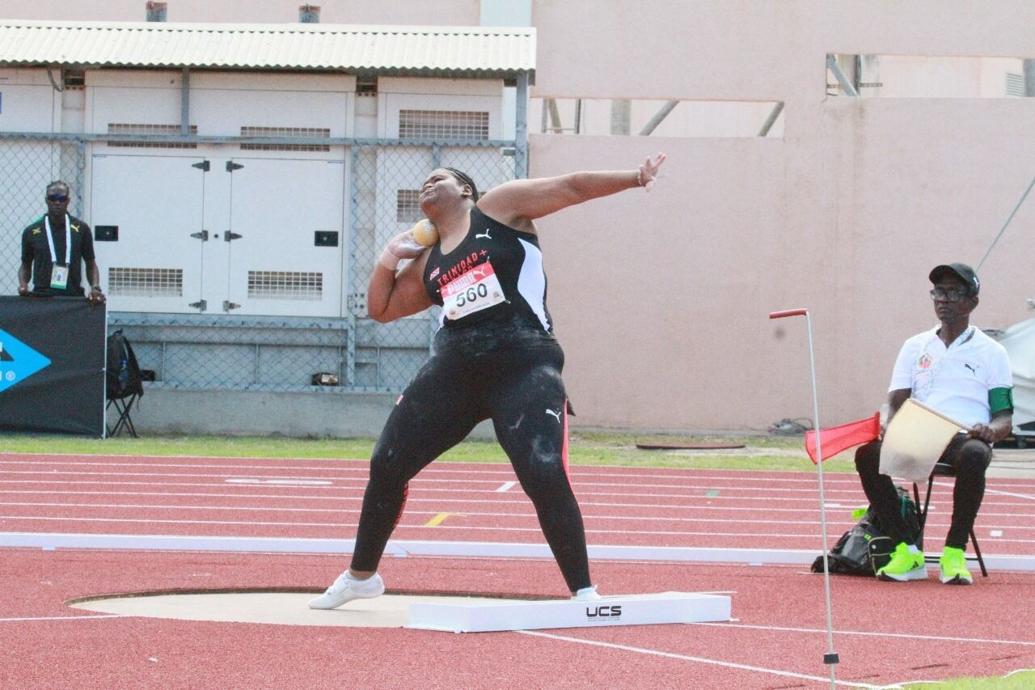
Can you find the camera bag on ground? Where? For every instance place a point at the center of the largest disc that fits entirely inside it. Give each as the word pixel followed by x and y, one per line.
pixel 865 549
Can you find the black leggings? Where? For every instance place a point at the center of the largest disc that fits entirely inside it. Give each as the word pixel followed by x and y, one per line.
pixel 520 388
pixel 969 457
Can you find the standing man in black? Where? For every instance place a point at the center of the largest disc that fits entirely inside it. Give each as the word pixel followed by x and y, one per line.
pixel 54 248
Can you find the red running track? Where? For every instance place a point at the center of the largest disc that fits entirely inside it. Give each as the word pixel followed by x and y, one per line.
pixel 460 502
pixel 915 631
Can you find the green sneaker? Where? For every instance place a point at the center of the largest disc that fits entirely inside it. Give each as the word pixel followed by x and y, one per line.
pixel 904 565
pixel 954 567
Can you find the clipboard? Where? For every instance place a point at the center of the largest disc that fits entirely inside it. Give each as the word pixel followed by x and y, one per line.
pixel 914 440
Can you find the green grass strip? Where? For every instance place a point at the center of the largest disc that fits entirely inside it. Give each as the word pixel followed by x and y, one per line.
pixel 1019 680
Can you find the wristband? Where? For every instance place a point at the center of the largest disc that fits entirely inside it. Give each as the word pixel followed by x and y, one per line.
pixel 389 260
pixel 639 177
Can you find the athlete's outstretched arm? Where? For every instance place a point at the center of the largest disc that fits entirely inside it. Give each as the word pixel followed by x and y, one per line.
pixel 520 201
pixel 393 294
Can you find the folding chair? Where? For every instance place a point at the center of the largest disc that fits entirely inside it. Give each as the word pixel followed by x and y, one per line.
pixel 123 383
pixel 123 422
pixel 942 469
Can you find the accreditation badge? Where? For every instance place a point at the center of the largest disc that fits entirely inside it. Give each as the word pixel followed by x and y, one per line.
pixel 59 277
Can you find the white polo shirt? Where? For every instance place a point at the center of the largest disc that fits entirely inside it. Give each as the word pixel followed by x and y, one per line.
pixel 954 380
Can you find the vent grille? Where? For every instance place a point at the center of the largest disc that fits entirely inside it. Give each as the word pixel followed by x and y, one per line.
pixel 74 79
pixel 443 124
pixel 300 132
pixel 130 128
pixel 407 208
pixel 1014 84
pixel 145 282
pixel 285 285
pixel 366 86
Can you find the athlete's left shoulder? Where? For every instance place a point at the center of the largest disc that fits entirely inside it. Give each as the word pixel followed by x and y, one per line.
pixel 482 222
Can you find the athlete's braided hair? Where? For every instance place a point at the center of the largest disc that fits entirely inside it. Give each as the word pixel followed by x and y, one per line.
pixel 464 178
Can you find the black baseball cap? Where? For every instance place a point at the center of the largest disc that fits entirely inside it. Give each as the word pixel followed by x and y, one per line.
pixel 962 272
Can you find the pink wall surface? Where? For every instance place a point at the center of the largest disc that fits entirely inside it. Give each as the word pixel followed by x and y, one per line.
pixel 662 299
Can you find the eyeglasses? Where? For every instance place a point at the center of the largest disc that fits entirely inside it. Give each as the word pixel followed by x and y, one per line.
pixel 948 295
pixel 57 198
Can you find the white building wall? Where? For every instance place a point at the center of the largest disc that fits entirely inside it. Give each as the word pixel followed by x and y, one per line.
pixel 445 13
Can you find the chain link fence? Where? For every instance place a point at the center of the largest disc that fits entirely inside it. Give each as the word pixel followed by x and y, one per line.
pixel 332 353
pixel 28 165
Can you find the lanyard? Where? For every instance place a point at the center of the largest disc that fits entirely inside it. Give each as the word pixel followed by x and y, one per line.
pixel 68 240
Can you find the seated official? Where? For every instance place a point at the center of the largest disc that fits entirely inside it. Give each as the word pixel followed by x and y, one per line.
pixel 962 373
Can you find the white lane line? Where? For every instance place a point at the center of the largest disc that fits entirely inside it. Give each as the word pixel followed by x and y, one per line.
pixel 804 500
pixel 438 548
pixel 59 618
pixel 580 472
pixel 985 512
pixel 280 482
pixel 506 486
pixel 998 492
pixel 804 497
pixel 870 633
pixel 685 490
pixel 470 549
pixel 169 475
pixel 529 514
pixel 535 529
pixel 693 659
pixel 362 465
pixel 839 521
pixel 587 516
pixel 737 477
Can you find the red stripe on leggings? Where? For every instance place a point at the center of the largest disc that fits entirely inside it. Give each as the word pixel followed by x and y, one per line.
pixel 564 443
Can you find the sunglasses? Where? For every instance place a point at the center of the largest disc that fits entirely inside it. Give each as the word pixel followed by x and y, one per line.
pixel 948 295
pixel 57 198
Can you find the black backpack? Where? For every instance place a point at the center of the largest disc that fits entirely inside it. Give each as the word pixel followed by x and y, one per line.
pixel 122 372
pixel 864 549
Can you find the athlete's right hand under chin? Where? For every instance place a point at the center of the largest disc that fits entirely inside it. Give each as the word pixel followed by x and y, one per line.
pixel 404 246
pixel 400 247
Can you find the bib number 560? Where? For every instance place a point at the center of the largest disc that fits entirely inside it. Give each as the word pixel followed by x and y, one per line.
pixel 471 294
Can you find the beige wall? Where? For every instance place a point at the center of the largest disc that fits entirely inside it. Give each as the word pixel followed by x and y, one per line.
pixel 661 299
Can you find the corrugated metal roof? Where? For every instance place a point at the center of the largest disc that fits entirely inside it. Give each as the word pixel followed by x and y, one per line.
pixel 424 50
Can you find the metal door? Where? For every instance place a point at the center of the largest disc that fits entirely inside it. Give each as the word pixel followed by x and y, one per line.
pixel 148 218
pixel 283 236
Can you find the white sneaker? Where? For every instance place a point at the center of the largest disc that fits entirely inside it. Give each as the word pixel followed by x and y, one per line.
pixel 346 588
pixel 586 594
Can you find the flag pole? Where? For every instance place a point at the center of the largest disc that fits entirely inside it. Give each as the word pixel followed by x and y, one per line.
pixel 830 658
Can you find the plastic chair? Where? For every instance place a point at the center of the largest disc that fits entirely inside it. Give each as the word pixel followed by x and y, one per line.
pixel 942 469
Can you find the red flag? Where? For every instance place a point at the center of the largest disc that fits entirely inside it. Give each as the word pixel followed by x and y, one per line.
pixel 838 438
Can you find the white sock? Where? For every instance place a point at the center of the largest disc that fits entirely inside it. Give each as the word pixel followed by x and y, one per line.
pixel 912 548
